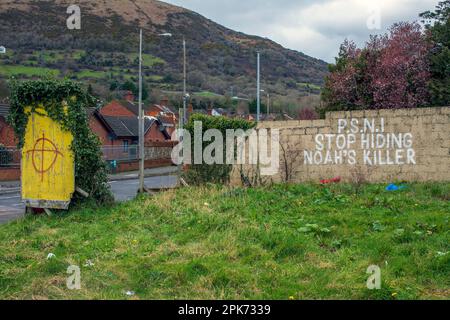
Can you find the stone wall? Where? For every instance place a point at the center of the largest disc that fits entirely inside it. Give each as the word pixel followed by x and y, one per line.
pixel 375 146
pixel 159 150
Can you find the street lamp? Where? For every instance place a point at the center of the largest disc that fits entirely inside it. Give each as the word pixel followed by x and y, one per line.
pixel 258 86
pixel 268 100
pixel 141 120
pixel 240 99
pixel 185 94
pixel 141 117
pixel 182 118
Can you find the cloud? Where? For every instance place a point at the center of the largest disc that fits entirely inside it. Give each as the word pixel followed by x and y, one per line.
pixel 316 28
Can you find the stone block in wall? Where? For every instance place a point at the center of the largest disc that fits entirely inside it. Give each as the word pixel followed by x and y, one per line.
pixel 372 113
pixel 296 132
pixel 440 127
pixel 358 114
pixel 337 115
pixel 439 119
pixel 400 113
pixel 320 123
pixel 325 130
pixel 312 131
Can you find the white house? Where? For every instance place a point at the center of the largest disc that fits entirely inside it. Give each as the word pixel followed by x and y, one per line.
pixel 2 49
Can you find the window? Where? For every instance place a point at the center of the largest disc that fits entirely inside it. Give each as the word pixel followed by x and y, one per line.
pixel 125 145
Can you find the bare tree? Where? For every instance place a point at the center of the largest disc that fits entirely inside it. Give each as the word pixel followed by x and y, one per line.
pixel 289 155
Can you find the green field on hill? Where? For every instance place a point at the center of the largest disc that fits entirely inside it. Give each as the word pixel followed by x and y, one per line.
pixel 278 242
pixel 27 71
pixel 56 62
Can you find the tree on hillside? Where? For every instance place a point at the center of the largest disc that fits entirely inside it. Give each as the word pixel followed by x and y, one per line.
pixel 438 27
pixel 253 106
pixel 130 86
pixel 391 71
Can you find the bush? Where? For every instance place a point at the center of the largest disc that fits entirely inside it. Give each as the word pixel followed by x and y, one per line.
pixel 217 173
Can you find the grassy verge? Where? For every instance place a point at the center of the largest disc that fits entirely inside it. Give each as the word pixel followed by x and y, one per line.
pixel 282 242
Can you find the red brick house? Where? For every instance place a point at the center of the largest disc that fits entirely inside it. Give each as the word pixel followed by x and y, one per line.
pixel 119 135
pixel 9 155
pixel 165 114
pixel 122 130
pixel 116 124
pixel 7 136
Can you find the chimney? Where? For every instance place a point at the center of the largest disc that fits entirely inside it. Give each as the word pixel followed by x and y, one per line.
pixel 129 96
pixel 210 109
pixel 164 102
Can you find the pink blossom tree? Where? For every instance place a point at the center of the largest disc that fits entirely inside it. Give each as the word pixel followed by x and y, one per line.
pixel 401 73
pixel 391 71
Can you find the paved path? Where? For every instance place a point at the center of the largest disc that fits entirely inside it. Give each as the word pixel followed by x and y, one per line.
pixel 11 206
pixel 126 190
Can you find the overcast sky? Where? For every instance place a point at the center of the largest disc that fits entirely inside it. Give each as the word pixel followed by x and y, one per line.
pixel 315 27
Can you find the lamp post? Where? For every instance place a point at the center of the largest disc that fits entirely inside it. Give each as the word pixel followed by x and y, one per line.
pixel 185 94
pixel 141 118
pixel 268 100
pixel 258 85
pixel 182 117
pixel 141 126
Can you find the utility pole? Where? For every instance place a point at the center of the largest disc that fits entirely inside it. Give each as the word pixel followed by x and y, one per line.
pixel 141 120
pixel 184 82
pixel 258 94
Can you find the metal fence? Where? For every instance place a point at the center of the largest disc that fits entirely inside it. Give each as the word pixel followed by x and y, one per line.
pixel 122 153
pixel 10 157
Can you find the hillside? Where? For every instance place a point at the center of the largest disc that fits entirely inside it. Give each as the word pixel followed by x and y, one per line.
pixel 104 50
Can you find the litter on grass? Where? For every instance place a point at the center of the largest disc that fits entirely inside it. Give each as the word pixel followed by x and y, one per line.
pixel 51 256
pixel 394 187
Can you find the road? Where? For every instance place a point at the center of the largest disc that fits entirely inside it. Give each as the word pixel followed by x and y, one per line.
pixel 126 190
pixel 11 206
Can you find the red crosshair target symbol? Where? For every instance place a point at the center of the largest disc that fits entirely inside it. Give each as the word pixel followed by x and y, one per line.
pixel 40 148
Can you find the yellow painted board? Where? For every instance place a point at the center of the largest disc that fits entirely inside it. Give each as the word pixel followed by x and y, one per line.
pixel 48 168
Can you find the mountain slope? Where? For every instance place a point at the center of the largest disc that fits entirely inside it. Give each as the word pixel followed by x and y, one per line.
pixel 219 58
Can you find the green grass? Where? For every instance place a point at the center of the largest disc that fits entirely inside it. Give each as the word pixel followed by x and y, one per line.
pixel 114 72
pixel 90 74
pixel 207 94
pixel 28 71
pixel 51 56
pixel 280 242
pixel 148 60
pixel 9 54
pixel 155 78
pixel 310 85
